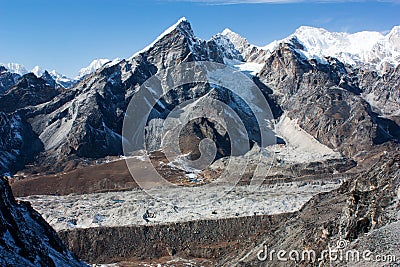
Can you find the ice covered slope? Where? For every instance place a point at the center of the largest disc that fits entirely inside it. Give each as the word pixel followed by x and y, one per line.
pixel 364 49
pixel 93 66
pixel 367 48
pixel 300 145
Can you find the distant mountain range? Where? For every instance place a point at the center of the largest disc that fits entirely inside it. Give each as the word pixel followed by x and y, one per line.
pixel 66 124
pixel 337 93
pixel 367 49
pixel 60 80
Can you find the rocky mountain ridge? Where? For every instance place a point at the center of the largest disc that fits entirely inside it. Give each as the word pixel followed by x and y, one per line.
pixel 348 111
pixel 86 120
pixel 366 49
pixel 18 70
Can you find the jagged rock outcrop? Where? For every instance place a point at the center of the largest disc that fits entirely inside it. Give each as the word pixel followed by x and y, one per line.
pixel 382 91
pixel 49 79
pixel 249 52
pixel 326 101
pixel 25 237
pixel 61 81
pixel 7 79
pixel 28 91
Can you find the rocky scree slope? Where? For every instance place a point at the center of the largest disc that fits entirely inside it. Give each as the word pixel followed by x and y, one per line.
pixel 326 101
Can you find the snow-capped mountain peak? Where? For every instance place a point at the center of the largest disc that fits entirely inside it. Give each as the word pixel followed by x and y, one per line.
pixel 252 54
pixel 394 37
pixel 38 71
pixel 228 31
pixel 365 49
pixel 93 66
pixel 182 25
pixel 320 40
pixel 15 68
pixel 238 41
pixel 182 19
pixel 61 80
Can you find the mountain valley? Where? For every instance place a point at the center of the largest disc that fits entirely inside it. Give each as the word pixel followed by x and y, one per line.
pixel 329 171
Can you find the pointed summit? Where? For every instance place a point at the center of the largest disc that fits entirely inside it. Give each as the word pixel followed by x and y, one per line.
pixel 239 41
pixel 48 78
pixel 183 19
pixel 182 26
pixel 395 30
pixel 38 71
pixel 227 31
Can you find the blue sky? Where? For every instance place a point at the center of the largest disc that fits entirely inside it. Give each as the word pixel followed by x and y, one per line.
pixel 66 34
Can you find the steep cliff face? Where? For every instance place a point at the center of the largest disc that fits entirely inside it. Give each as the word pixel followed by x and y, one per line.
pixel 326 101
pixel 382 90
pixel 18 143
pixel 25 238
pixel 194 239
pixel 49 79
pixel 28 91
